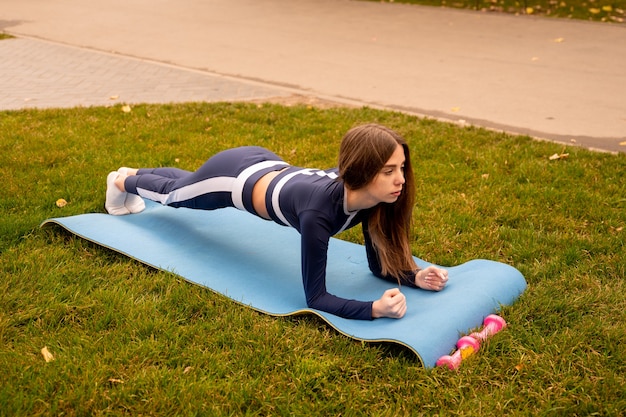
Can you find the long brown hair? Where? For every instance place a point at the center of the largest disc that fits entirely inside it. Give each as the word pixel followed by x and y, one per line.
pixel 364 151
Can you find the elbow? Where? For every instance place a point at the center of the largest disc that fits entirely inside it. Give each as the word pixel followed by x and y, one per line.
pixel 377 274
pixel 314 303
pixel 376 270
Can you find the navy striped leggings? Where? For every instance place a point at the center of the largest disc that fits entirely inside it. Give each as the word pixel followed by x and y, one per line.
pixel 225 180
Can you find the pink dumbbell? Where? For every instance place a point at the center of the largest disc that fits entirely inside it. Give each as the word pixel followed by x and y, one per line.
pixel 493 324
pixel 466 346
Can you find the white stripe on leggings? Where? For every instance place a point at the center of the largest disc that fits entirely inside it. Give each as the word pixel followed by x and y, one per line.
pixel 241 179
pixel 211 185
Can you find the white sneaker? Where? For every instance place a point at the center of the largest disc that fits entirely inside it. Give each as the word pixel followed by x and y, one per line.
pixel 133 202
pixel 115 198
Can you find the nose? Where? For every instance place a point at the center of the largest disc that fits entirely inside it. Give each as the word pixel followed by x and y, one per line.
pixel 400 178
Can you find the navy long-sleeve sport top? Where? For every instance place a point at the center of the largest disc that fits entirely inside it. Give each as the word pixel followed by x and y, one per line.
pixel 312 201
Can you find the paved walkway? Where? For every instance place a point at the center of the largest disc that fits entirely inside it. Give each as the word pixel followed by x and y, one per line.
pixel 550 78
pixel 38 74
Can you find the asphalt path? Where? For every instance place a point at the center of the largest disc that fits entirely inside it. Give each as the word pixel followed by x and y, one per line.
pixel 555 79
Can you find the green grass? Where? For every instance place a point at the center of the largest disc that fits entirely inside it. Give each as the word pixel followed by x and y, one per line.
pixel 594 10
pixel 129 340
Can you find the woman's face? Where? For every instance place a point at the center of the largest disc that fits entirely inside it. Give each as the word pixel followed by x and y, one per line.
pixel 387 184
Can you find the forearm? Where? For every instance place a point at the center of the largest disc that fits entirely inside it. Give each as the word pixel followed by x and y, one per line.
pixel 408 278
pixel 349 309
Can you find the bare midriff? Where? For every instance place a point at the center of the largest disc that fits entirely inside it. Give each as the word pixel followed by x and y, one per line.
pixel 260 190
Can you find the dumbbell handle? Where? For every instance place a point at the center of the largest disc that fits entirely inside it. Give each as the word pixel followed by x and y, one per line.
pixel 467 346
pixel 492 325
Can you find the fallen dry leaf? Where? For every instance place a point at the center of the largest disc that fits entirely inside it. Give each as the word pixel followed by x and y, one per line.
pixel 115 381
pixel 187 369
pixel 558 156
pixel 559 40
pixel 48 357
pixel 126 108
pixel 623 143
pixel 61 202
pixel 530 10
pixel 455 109
pixel 485 176
pixel 114 97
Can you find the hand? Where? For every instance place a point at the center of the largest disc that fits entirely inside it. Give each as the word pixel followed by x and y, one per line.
pixel 392 304
pixel 431 278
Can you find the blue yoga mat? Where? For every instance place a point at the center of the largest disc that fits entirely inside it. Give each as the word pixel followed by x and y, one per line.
pixel 257 263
